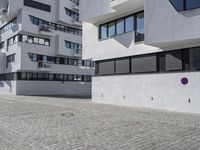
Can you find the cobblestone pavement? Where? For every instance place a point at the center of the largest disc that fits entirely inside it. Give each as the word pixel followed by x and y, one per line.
pixel 34 123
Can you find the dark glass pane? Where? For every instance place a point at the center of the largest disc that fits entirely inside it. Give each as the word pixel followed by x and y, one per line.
pixel 140 28
pixel 123 66
pixel 129 22
pixel 143 64
pixel 174 61
pixel 120 26
pixel 178 4
pixel 111 29
pixel 161 62
pixel 192 4
pixel 104 31
pixel 194 57
pixel 106 67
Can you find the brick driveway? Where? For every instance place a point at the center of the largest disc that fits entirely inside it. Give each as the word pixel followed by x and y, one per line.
pixel 34 123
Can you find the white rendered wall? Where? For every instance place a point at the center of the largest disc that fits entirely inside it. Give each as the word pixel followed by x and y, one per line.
pixel 159 91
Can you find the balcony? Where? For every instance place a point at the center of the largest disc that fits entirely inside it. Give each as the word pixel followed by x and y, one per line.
pixel 77 53
pixel 75 5
pixel 126 5
pixel 44 66
pixel 45 29
pixel 3 10
pixel 76 22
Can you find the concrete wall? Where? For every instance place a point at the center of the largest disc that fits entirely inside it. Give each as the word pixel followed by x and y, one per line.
pixel 53 88
pixel 164 26
pixel 159 91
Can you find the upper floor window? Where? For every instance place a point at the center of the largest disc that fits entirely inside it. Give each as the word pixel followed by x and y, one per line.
pixel 37 5
pixel 72 14
pixel 129 23
pixel 45 26
pixel 183 5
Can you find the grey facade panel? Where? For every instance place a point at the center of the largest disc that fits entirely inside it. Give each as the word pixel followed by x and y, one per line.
pixel 123 66
pixel 144 64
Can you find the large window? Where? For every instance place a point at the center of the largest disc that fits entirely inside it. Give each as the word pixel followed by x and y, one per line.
pixel 183 5
pixel 129 23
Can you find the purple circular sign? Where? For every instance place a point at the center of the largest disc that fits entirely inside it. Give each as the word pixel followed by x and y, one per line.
pixel 184 81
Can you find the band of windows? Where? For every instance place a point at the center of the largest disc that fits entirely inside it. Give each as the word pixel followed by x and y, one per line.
pixel 72 14
pixel 28 39
pixel 44 77
pixel 37 5
pixel 73 45
pixel 10 58
pixel 170 61
pixel 8 26
pixel 126 24
pixel 59 60
pixel 41 22
pixel 184 5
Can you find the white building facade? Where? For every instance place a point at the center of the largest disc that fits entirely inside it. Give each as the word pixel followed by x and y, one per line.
pixel 146 52
pixel 41 48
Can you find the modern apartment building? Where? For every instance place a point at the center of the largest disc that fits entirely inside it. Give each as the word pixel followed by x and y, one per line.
pixel 146 52
pixel 41 48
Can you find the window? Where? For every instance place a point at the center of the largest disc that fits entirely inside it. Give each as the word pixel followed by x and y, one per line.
pixel 72 14
pixel 41 41
pixel 2 44
pixel 8 26
pixel 9 59
pixel 174 61
pixel 184 5
pixel 47 42
pixel 71 30
pixel 106 67
pixel 73 45
pixel 104 31
pixel 178 4
pixel 161 62
pixel 129 22
pixel 139 34
pixel 194 58
pixel 37 5
pixel 111 29
pixel 24 38
pixel 30 39
pixel 142 64
pixel 120 26
pixel 35 40
pixel 122 66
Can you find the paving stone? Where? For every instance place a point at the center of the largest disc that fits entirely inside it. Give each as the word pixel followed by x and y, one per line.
pixel 49 123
